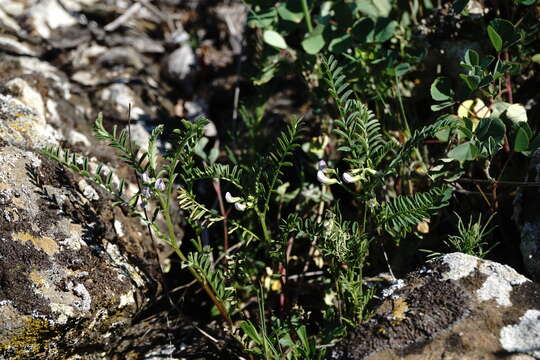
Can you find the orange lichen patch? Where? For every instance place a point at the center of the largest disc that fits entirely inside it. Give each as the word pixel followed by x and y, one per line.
pixel 36 278
pixel 44 243
pixel 400 308
pixel 31 340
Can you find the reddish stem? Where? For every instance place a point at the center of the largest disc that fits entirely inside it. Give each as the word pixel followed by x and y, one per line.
pixel 217 188
pixel 508 80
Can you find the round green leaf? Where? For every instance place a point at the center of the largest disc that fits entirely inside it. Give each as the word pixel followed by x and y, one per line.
pixel 536 58
pixel 384 30
pixel 314 42
pixel 463 152
pixel 274 39
pixel 441 89
pixel 374 8
pixel 495 38
pixel 339 45
pixel 521 142
pixel 291 11
pixel 498 109
pixel 471 57
pixel 502 34
pixel 491 127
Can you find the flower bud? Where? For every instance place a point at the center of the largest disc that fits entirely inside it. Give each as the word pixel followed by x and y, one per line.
pixel 231 199
pixel 160 185
pixel 146 193
pixel 240 206
pixel 348 178
pixel 322 165
pixel 325 179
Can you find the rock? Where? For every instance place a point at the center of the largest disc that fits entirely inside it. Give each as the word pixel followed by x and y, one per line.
pixel 13 7
pixel 8 23
pixel 20 89
pixel 121 56
pixel 22 126
pixel 140 42
pixel 66 283
pixel 178 36
pixel 179 65
pixel 12 45
pixel 117 98
pixel 48 15
pixel 456 307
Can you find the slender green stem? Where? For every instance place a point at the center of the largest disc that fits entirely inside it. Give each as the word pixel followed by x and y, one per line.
pixel 182 256
pixel 262 221
pixel 307 15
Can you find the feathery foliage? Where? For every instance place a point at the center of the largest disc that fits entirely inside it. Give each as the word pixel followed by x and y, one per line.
pixel 202 263
pixel 81 165
pixel 399 216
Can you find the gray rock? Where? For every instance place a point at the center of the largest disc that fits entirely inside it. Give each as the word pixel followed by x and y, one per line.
pixel 121 56
pixel 456 307
pixel 116 99
pixel 8 23
pixel 179 66
pixel 11 45
pixel 21 125
pixel 65 282
pixel 46 16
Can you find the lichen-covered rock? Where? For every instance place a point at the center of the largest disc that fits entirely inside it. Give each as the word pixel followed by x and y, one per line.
pixel 456 307
pixel 72 270
pixel 22 125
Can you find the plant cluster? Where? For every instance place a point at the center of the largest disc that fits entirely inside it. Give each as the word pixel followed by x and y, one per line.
pixel 300 215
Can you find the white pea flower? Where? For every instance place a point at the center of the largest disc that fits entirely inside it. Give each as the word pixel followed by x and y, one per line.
pixel 325 179
pixel 231 199
pixel 145 178
pixel 322 165
pixel 348 178
pixel 240 206
pixel 160 185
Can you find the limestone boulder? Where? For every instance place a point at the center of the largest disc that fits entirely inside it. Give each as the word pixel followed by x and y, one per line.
pixel 456 307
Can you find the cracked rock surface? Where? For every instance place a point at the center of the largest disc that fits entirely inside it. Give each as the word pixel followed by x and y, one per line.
pixel 456 307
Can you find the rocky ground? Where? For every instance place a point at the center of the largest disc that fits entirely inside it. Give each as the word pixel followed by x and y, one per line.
pixel 78 278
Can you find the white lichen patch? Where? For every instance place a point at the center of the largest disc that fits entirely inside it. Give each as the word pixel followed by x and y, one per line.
pixel 118 228
pixel 122 263
pixel 163 352
pixel 499 283
pixel 88 191
pixel 5 302
pixel 398 284
pixel 73 233
pixel 63 311
pixel 126 299
pixel 461 265
pixel 85 299
pixel 523 337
